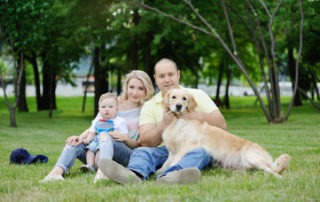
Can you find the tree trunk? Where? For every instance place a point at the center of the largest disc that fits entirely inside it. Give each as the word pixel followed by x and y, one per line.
pixel 219 79
pixel 314 86
pixel 217 99
pixel 22 99
pixel 52 95
pixel 33 61
pixel 12 109
pixel 134 57
pixel 291 67
pixel 226 97
pixel 119 83
pixel 149 61
pixel 100 83
pixel 49 85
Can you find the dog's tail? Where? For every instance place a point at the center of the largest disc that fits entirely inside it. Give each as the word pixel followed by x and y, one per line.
pixel 281 163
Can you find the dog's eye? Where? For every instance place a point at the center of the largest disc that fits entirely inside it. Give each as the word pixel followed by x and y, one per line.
pixel 184 98
pixel 173 97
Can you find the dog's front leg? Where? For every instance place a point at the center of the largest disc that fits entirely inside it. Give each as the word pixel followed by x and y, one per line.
pixel 181 153
pixel 166 164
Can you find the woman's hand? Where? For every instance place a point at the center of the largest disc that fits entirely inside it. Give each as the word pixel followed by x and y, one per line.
pixel 74 140
pixel 117 136
pixel 86 140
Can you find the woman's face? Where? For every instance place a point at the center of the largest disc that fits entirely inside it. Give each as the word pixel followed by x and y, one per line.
pixel 136 90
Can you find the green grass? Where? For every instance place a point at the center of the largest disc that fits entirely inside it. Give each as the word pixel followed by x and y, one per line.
pixel 300 137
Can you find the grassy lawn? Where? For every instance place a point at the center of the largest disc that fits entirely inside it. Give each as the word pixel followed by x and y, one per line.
pixel 299 137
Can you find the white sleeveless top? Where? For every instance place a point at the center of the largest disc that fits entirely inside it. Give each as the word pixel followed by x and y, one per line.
pixel 132 118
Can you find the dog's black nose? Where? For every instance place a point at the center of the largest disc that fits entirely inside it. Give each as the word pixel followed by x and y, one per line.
pixel 178 107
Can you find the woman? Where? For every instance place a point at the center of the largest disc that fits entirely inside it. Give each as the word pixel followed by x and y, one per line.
pixel 137 89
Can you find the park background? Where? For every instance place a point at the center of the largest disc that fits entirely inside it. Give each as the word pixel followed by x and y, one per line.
pixel 258 60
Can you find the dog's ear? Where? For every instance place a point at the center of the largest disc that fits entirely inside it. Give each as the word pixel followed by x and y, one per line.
pixel 192 104
pixel 165 101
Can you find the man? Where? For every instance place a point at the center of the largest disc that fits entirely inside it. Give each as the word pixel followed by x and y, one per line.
pixel 145 160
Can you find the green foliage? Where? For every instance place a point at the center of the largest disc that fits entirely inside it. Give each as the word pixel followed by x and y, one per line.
pixel 59 32
pixel 20 21
pixel 312 35
pixel 42 135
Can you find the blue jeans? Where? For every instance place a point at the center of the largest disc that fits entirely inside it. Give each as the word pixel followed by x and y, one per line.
pixel 146 160
pixel 71 153
pixel 118 151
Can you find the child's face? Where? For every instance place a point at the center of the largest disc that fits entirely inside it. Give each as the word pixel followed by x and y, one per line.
pixel 108 108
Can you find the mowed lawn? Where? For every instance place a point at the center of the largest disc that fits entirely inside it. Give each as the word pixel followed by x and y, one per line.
pixel 299 137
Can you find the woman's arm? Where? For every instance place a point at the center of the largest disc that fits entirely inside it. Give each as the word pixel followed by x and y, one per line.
pixel 117 136
pixel 76 140
pixel 88 137
pixel 132 143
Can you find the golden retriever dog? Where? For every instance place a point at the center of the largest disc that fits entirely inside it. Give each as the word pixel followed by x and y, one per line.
pixel 231 151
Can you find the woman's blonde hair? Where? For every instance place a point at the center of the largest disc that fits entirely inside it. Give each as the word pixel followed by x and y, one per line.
pixel 144 78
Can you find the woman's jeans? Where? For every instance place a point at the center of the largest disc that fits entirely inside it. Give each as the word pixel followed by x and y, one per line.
pixel 118 151
pixel 121 154
pixel 146 160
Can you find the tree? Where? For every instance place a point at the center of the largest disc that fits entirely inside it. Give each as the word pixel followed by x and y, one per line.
pixel 310 54
pixel 262 20
pixel 19 31
pixel 62 44
pixel 12 107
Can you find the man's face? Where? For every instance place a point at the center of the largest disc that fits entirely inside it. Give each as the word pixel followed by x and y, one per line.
pixel 166 76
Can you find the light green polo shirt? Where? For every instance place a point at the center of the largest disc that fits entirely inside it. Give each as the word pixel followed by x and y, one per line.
pixel 152 110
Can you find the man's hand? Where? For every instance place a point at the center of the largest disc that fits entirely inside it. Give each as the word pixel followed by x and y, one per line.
pixel 168 117
pixel 193 115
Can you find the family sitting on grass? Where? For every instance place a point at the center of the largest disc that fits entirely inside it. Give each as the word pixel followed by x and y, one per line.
pixel 129 152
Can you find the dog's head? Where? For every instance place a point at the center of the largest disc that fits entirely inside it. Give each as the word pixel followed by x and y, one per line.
pixel 179 101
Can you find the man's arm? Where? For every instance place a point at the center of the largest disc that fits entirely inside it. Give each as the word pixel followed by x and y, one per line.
pixel 207 111
pixel 151 134
pixel 214 118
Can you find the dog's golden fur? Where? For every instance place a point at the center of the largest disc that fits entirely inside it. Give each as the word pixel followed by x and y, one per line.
pixel 231 151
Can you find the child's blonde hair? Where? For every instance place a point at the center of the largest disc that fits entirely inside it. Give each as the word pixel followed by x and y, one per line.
pixel 108 96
